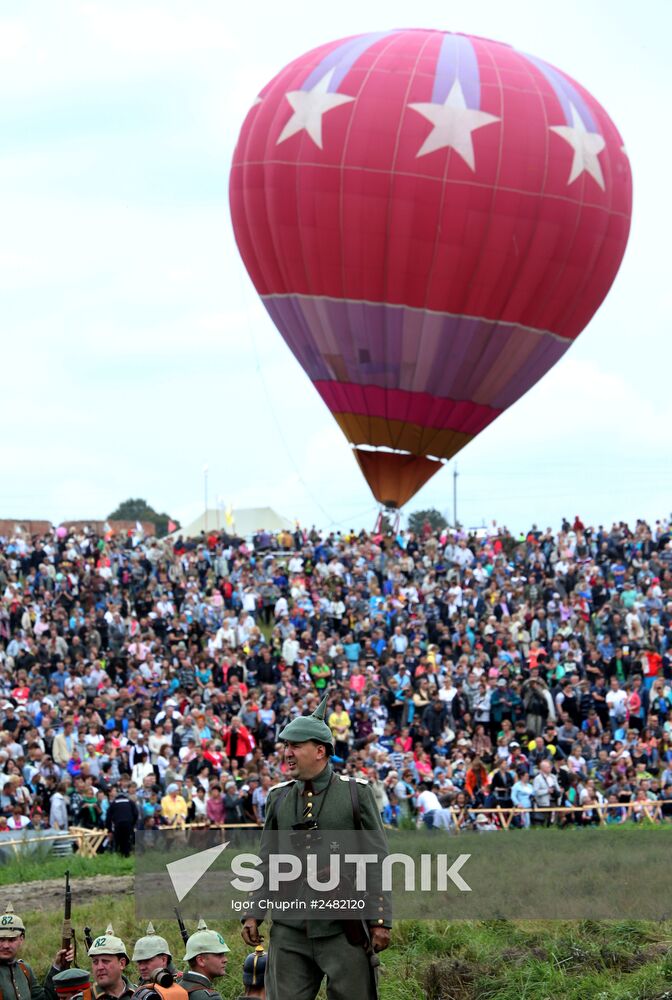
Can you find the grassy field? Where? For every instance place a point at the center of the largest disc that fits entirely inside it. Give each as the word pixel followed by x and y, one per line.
pixel 438 960
pixel 28 868
pixel 496 960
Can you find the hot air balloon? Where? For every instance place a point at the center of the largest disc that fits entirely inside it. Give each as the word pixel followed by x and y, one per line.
pixel 431 219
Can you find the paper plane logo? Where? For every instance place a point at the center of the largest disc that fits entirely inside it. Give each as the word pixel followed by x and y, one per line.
pixel 185 873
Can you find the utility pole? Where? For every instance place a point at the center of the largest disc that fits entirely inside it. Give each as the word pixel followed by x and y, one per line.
pixel 455 475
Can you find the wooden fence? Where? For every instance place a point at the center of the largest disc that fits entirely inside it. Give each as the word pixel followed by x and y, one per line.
pixel 649 810
pixel 89 842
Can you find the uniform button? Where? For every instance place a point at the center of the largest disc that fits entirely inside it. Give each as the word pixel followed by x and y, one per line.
pixel 380 909
pixel 309 816
pixel 381 921
pixel 310 794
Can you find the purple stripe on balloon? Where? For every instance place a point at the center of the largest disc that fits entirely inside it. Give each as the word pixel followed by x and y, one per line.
pixel 566 93
pixel 342 59
pixel 396 347
pixel 457 61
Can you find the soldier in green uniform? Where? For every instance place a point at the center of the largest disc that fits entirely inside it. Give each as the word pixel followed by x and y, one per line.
pixel 152 953
pixel 254 974
pixel 302 953
pixel 17 979
pixel 109 959
pixel 206 954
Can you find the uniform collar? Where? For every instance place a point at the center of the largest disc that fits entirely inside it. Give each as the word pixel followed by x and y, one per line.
pixel 319 783
pixel 199 975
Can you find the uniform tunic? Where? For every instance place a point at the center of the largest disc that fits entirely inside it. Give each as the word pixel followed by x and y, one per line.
pixel 198 986
pixel 16 985
pixel 302 952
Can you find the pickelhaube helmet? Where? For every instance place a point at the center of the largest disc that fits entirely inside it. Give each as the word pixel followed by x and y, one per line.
pixel 204 942
pixel 11 924
pixel 108 944
pixel 150 945
pixel 254 967
pixel 310 727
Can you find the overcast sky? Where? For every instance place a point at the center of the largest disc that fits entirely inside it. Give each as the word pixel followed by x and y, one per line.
pixel 134 349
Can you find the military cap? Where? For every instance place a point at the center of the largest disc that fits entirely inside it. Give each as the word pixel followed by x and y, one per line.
pixel 310 727
pixel 254 967
pixel 108 944
pixel 11 924
pixel 204 942
pixel 71 981
pixel 150 945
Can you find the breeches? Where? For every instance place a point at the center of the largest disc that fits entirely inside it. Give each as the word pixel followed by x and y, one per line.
pixel 297 964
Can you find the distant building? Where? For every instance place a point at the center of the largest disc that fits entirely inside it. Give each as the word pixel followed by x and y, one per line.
pixel 22 526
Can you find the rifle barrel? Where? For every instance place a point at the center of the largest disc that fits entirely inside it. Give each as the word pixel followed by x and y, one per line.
pixel 183 930
pixel 66 933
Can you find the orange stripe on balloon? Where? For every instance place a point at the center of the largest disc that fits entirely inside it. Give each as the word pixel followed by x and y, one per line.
pixel 378 432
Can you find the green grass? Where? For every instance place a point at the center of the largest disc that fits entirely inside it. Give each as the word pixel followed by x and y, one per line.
pixel 429 960
pixel 29 867
pixel 490 960
pixel 501 960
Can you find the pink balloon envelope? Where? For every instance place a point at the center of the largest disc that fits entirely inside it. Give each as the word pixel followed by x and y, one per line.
pixel 431 219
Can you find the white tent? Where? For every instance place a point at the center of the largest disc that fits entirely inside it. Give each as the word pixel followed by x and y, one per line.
pixel 246 522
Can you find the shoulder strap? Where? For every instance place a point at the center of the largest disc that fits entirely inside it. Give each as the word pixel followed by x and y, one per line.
pixel 356 808
pixel 24 969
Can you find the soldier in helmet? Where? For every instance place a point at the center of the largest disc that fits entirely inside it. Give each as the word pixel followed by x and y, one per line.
pixel 206 954
pixel 302 952
pixel 254 974
pixel 109 959
pixel 17 979
pixel 153 958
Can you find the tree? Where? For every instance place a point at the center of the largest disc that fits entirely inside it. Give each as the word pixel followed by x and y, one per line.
pixel 139 510
pixel 433 517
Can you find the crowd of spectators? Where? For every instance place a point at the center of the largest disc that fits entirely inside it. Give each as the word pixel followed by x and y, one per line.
pixel 144 682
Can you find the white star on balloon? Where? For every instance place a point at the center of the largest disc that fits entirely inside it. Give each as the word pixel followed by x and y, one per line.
pixel 453 124
pixel 309 106
pixel 586 145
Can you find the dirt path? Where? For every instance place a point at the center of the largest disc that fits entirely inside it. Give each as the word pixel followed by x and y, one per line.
pixel 48 894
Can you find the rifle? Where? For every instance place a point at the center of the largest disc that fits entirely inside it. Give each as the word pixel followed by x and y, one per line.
pixel 88 937
pixel 183 930
pixel 67 933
